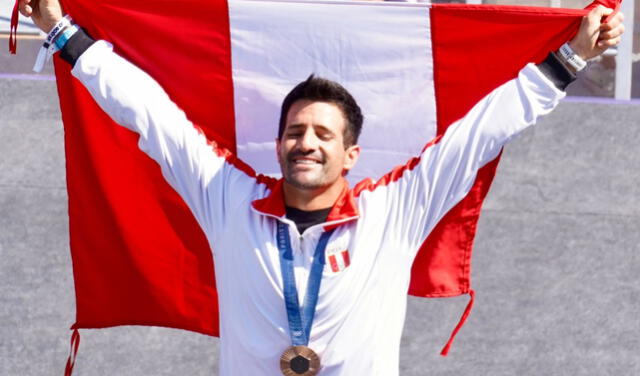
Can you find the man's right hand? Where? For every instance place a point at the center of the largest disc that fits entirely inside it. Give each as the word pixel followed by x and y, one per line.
pixel 44 13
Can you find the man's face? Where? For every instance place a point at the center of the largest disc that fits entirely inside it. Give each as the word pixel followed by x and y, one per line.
pixel 311 152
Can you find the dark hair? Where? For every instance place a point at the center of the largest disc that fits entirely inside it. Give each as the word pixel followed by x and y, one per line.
pixel 323 90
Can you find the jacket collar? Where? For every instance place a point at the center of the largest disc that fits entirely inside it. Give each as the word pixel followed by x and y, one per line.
pixel 344 209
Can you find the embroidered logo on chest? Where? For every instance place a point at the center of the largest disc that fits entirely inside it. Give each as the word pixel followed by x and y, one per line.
pixel 338 260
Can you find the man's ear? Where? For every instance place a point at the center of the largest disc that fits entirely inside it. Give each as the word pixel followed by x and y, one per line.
pixel 351 157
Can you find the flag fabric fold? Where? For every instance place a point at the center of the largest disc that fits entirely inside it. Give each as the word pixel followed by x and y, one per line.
pixel 139 257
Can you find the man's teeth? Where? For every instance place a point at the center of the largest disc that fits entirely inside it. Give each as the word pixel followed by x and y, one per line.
pixel 306 161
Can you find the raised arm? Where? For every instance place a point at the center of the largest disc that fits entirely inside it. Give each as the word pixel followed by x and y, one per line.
pixel 196 168
pixel 443 174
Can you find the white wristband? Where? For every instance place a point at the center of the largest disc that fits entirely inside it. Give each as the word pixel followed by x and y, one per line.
pixel 569 56
pixel 49 47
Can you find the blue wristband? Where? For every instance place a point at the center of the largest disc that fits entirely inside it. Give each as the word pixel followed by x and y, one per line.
pixel 64 37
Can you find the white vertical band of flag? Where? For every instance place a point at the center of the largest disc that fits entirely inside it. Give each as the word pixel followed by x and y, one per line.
pixel 381 54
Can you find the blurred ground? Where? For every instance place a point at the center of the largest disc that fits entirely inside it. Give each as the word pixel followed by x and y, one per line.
pixel 556 261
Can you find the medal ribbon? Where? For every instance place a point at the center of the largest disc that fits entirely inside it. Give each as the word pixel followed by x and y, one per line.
pixel 300 318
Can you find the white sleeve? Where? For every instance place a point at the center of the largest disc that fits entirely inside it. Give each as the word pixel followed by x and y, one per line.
pixel 191 164
pixel 446 170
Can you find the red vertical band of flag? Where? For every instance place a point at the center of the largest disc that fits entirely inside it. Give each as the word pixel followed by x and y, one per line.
pixel 345 258
pixel 333 263
pixel 475 49
pixel 139 256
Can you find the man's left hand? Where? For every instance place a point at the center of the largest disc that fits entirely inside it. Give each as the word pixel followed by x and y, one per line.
pixel 595 36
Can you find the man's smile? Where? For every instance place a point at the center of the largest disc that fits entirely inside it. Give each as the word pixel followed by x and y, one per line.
pixel 306 160
pixel 300 158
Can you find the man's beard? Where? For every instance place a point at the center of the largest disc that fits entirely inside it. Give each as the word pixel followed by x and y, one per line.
pixel 318 181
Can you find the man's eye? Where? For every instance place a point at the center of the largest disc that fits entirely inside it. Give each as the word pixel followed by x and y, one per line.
pixel 294 135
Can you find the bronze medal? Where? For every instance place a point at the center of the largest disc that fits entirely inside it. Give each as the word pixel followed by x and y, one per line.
pixel 299 360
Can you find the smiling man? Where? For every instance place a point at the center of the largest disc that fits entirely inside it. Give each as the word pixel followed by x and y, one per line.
pixel 317 142
pixel 312 275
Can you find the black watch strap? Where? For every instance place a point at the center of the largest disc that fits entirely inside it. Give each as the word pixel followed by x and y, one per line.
pixel 556 71
pixel 76 46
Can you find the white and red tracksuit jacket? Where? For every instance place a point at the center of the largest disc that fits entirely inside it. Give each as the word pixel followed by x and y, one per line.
pixel 379 225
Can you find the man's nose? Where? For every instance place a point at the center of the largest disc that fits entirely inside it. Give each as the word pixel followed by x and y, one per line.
pixel 308 141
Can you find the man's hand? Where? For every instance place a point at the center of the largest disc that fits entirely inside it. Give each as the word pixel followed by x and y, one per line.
pixel 44 13
pixel 595 36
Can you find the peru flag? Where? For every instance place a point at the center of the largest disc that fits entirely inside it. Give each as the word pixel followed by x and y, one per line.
pixel 338 261
pixel 139 256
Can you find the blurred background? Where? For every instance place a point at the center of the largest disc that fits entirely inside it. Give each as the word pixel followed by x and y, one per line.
pixel 556 264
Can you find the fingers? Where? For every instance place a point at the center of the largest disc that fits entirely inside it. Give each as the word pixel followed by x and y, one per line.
pixel 596 14
pixel 24 8
pixel 601 11
pixel 600 29
pixel 611 31
pixel 609 42
pixel 614 33
pixel 614 22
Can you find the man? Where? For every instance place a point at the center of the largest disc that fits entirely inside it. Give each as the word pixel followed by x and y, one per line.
pixel 272 237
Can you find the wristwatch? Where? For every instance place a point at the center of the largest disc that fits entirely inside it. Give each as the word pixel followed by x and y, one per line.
pixel 568 57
